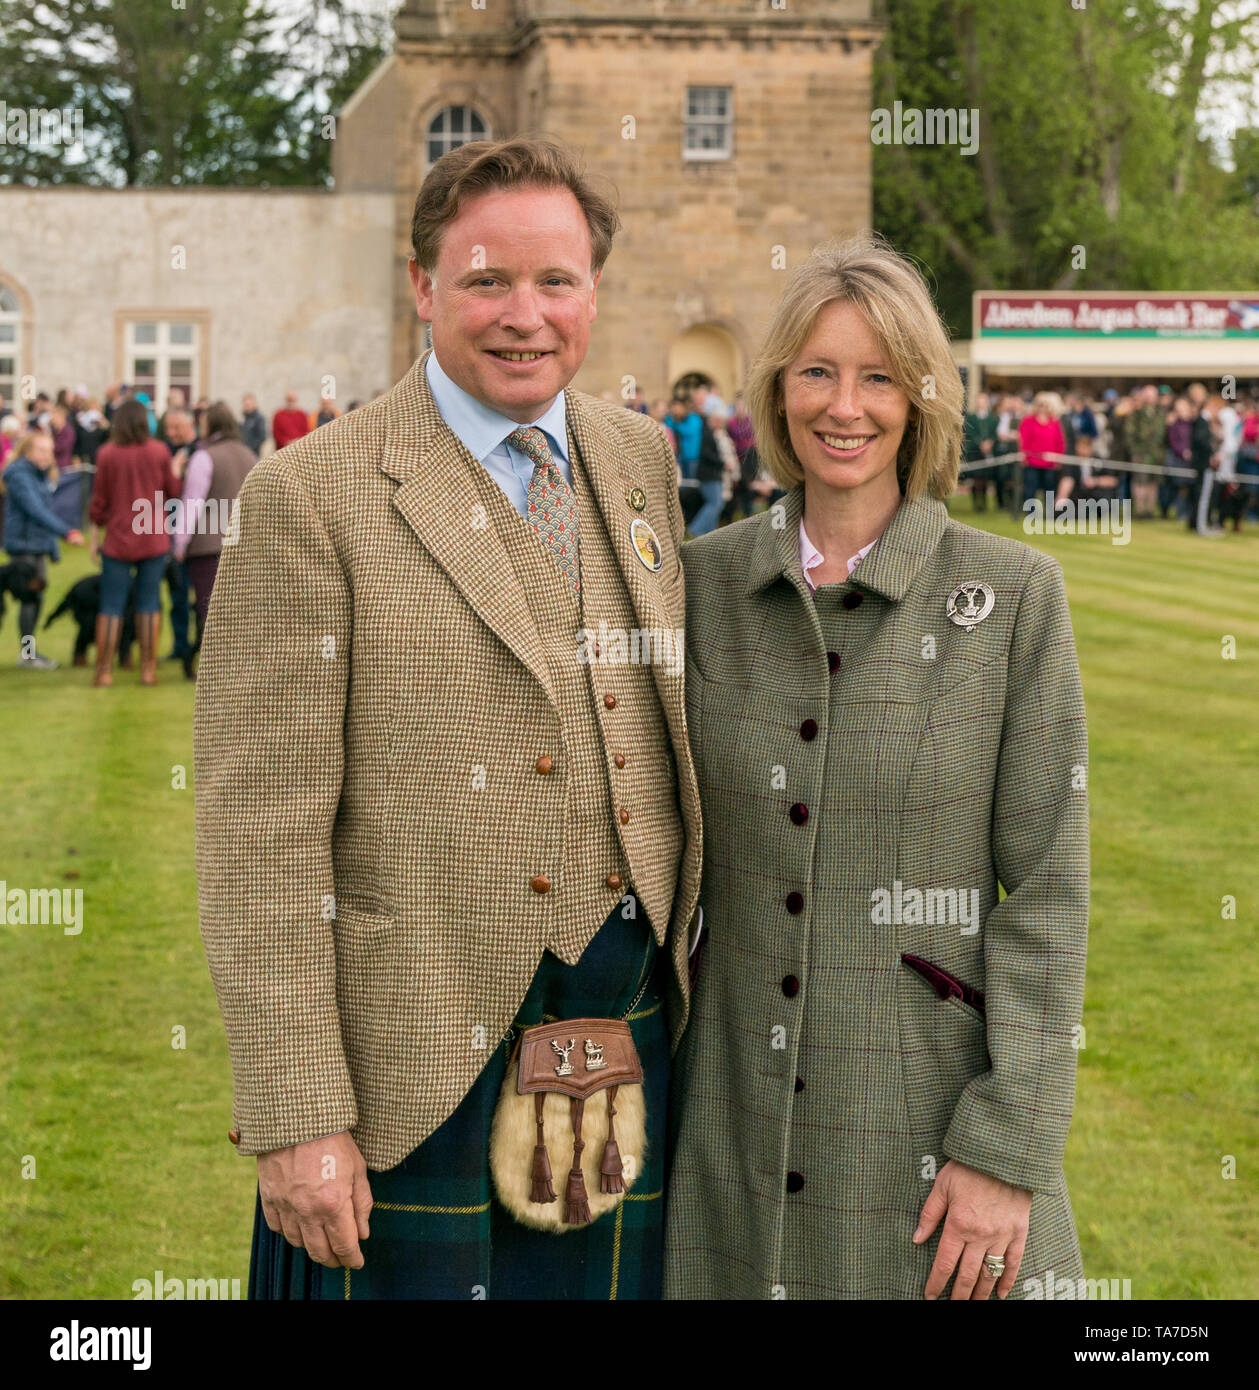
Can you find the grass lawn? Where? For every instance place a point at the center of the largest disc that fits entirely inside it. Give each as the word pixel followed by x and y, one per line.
pixel 133 1170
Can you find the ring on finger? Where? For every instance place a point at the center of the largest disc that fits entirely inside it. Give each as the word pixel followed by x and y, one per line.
pixel 994 1266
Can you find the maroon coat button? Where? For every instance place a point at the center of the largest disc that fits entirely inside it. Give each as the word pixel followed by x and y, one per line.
pixel 795 903
pixel 808 730
pixel 799 1085
pixel 791 986
pixel 853 598
pixel 795 1181
pixel 832 662
pixel 799 813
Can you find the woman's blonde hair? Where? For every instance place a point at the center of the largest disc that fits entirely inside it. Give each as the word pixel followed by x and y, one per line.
pixel 891 294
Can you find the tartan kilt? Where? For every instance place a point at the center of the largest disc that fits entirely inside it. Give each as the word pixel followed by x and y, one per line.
pixel 438 1229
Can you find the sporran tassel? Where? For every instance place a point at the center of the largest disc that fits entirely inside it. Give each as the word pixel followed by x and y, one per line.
pixel 611 1169
pixel 576 1202
pixel 542 1190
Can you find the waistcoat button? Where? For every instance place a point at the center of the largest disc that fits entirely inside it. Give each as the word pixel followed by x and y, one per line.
pixel 543 764
pixel 540 883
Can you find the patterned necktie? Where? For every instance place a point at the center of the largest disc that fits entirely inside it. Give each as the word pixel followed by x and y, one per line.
pixel 550 509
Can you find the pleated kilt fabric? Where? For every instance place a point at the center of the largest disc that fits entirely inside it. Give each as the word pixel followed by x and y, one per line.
pixel 438 1230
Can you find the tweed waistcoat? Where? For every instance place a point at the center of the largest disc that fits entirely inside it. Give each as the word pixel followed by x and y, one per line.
pixel 232 460
pixel 592 792
pixel 373 696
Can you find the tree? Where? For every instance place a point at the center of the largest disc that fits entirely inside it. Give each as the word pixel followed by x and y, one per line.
pixel 181 91
pixel 1091 171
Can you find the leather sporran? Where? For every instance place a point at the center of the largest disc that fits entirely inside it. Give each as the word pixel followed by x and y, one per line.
pixel 573 1092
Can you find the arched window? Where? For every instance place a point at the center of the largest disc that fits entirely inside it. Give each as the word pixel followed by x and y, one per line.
pixel 451 127
pixel 10 346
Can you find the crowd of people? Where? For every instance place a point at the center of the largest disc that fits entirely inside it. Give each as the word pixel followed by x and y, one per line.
pixel 1215 438
pixel 201 453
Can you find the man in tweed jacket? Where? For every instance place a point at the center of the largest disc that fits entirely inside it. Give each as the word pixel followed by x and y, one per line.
pixel 408 788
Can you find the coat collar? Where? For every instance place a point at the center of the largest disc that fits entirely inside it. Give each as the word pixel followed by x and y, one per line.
pixel 889 569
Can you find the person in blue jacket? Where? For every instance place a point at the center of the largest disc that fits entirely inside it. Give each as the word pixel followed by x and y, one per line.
pixel 31 529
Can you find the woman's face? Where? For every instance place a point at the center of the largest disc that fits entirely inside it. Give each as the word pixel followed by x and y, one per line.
pixel 845 415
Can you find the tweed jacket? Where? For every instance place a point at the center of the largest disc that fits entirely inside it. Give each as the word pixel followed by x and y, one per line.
pixel 371 698
pixel 872 775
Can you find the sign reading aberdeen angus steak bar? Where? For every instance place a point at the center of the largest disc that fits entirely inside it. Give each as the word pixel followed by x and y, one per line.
pixel 1117 315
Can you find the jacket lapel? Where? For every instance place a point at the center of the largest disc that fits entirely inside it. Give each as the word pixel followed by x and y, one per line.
pixel 439 499
pixel 609 473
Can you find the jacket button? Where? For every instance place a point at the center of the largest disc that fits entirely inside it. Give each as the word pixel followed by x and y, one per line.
pixel 614 880
pixel 234 1135
pixel 791 986
pixel 624 816
pixel 540 883
pixel 853 598
pixel 795 903
pixel 832 662
pixel 799 1085
pixel 799 813
pixel 808 730
pixel 543 764
pixel 610 701
pixel 795 1181
pixel 619 760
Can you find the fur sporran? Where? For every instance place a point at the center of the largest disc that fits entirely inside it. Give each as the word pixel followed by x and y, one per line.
pixel 573 1090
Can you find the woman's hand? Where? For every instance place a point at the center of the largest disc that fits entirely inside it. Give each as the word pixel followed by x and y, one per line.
pixel 983 1216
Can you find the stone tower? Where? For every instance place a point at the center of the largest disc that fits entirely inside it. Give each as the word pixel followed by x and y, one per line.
pixel 737 133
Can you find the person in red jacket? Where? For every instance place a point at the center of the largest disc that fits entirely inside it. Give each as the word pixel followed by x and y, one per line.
pixel 1041 434
pixel 290 423
pixel 133 480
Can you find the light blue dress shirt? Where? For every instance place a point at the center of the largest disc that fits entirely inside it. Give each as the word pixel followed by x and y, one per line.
pixel 484 432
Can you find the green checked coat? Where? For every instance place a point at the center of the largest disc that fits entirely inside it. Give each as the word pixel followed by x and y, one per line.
pixel 850 751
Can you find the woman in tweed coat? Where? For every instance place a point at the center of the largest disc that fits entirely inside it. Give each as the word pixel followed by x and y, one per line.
pixel 873 1095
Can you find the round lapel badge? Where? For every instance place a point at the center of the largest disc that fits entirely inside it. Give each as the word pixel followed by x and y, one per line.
pixel 970 603
pixel 637 498
pixel 646 544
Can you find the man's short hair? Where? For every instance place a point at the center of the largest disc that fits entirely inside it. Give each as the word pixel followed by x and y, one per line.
pixel 484 166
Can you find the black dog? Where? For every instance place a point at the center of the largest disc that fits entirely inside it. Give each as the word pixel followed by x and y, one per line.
pixel 84 601
pixel 19 579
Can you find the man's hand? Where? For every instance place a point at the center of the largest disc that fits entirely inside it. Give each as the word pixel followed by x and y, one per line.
pixel 317 1195
pixel 983 1216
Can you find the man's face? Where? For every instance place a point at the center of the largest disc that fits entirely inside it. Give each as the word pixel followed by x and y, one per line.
pixel 290 400
pixel 248 404
pixel 513 277
pixel 179 429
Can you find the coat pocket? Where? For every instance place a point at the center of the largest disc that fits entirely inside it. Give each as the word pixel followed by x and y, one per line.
pixel 947 985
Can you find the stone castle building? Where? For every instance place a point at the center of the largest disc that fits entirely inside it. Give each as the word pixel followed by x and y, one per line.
pixel 737 133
